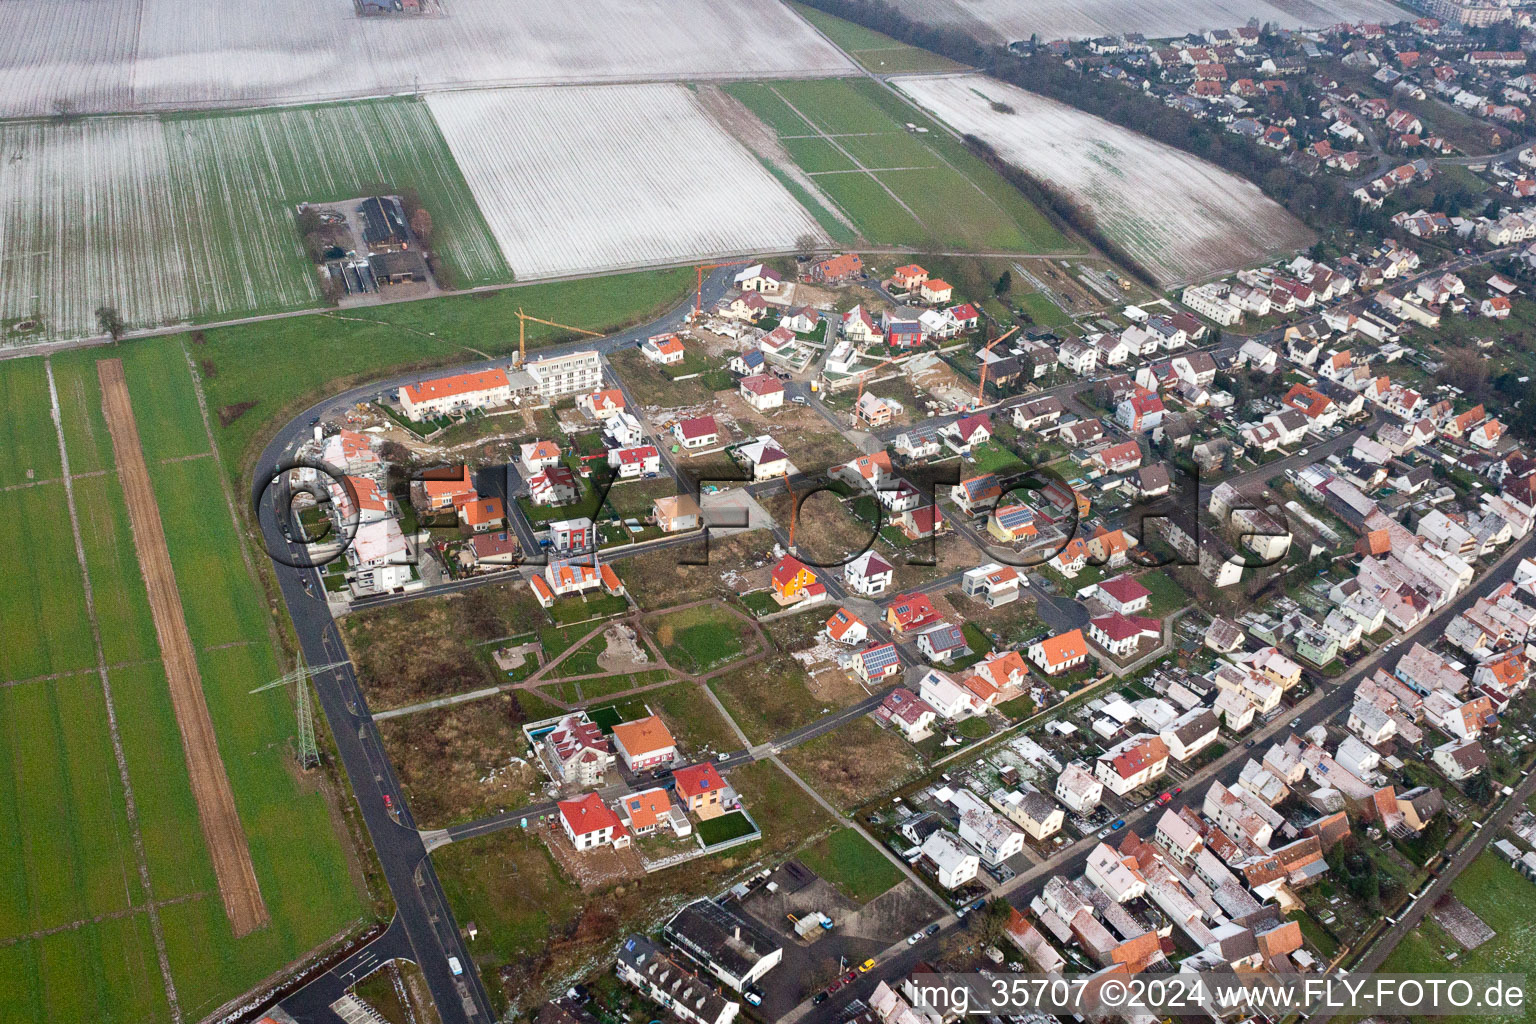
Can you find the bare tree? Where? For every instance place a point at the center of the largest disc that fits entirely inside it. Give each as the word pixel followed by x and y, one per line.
pixel 421 225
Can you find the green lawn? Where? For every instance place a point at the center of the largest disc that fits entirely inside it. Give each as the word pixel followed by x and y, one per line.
pixel 726 827
pixel 1167 596
pixel 848 861
pixel 924 189
pixel 699 639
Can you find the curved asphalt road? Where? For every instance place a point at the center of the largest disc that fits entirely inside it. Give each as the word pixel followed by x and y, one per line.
pixel 423 929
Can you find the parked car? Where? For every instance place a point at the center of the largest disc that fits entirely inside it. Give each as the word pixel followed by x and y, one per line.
pixel 1118 825
pixel 914 938
pixel 821 997
pixel 866 966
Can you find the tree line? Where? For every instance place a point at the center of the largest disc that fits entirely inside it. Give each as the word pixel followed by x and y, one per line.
pixel 1320 202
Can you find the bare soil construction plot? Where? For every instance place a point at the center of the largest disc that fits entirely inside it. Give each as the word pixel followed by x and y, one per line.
pixel 1056 19
pixel 222 830
pixel 165 53
pixel 1181 218
pixel 604 177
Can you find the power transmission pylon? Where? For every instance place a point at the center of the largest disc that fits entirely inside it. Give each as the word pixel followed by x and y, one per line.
pixel 309 751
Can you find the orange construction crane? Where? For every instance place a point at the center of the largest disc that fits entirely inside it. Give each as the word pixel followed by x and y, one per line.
pixel 981 389
pixel 523 318
pixel 870 373
pixel 698 288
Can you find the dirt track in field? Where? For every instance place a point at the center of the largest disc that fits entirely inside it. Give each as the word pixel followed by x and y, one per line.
pixel 222 832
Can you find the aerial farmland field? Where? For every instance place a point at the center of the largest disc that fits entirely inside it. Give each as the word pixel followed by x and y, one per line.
pixel 191 217
pixel 1179 217
pixel 163 54
pixel 588 178
pixel 89 887
pixel 1007 20
pixel 897 186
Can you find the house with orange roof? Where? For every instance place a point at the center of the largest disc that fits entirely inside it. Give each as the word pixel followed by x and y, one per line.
pixel 612 585
pixel 909 613
pixel 569 578
pixel 976 494
pixel 1506 673
pixel 1060 653
pixel 665 349
pixel 588 823
pixel 993 584
pixel 649 810
pixel 371 505
pixel 644 744
pixel 846 628
pixel 700 788
pixel 792 580
pixel 537 456
pixel 600 405
pixel 1003 669
pixel 1459 425
pixel 1132 763
pixel 1315 405
pixel 838 269
pixel 482 514
pixel 457 393
pixel 440 489
pixel 868 471
pixel 908 277
pixel 1069 561
pixel 1486 434
pixel 1110 547
pixel 936 291
pixel 542 591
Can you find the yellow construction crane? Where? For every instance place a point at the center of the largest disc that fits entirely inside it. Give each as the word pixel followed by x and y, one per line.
pixel 523 318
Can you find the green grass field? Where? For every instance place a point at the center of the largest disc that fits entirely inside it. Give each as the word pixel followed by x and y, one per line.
pixel 914 189
pixel 67 855
pixel 699 639
pixel 1504 900
pixel 848 861
pixel 26 431
pixel 876 51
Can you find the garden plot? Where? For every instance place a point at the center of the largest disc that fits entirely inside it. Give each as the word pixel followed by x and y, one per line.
pixel 1181 218
pixel 1007 20
pixel 578 179
pixel 163 54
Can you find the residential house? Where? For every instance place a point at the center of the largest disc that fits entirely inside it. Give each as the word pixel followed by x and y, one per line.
pixel 588 822
pixel 1060 653
pixel 868 574
pixel 644 744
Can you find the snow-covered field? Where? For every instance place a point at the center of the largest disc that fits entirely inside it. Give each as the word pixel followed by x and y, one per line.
pixel 162 54
pixel 1074 19
pixel 583 178
pixel 194 216
pixel 86 221
pixel 1180 217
